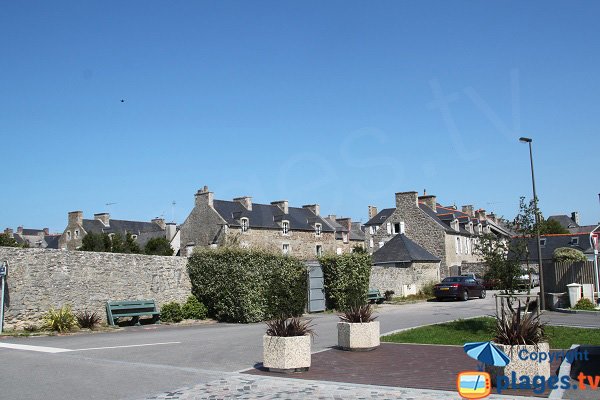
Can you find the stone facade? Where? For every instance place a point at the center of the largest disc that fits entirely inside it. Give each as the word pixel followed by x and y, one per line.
pixel 39 279
pixel 404 280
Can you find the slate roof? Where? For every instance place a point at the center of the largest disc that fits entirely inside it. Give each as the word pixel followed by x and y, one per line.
pixel 401 249
pixel 269 216
pixel 552 242
pixel 52 241
pixel 32 232
pixel 356 233
pixel 380 217
pixel 144 230
pixel 564 220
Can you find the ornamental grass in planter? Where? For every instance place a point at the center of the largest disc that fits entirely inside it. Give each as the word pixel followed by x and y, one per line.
pixel 286 345
pixel 518 336
pixel 357 329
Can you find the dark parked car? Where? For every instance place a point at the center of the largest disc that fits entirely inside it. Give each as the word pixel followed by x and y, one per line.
pixel 459 287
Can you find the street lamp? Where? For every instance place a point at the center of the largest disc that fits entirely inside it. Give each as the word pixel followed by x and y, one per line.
pixel 537 226
pixel 595 250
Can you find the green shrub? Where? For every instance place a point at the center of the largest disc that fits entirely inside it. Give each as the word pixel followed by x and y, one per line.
pixel 193 309
pixel 584 304
pixel 159 246
pixel 568 254
pixel 427 289
pixel 171 312
pixel 239 285
pixel 346 279
pixel 61 320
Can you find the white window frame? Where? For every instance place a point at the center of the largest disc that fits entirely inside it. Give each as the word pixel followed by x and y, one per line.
pixel 285 228
pixel 542 242
pixel 76 234
pixel 68 235
pixel 318 229
pixel 134 237
pixel 372 229
pixel 458 245
pixel 319 250
pixel 345 237
pixel 244 224
pixel 285 248
pixel 575 241
pixel 389 228
pixel 371 244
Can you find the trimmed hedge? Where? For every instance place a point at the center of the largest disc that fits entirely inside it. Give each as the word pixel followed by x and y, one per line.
pixel 239 285
pixel 193 309
pixel 346 279
pixel 171 312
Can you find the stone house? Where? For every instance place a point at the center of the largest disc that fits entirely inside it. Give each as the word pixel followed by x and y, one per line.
pixel 348 234
pixel 141 231
pixel 403 266
pixel 34 238
pixel 445 232
pixel 276 227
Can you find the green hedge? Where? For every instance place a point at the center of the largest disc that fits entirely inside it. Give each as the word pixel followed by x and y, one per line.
pixel 346 279
pixel 238 285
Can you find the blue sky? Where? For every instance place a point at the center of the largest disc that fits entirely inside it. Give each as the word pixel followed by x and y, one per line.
pixel 339 103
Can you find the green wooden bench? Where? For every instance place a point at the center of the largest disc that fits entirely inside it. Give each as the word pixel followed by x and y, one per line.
pixel 131 308
pixel 374 296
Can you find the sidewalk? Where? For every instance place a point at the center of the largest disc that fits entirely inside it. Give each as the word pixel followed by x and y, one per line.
pixel 259 387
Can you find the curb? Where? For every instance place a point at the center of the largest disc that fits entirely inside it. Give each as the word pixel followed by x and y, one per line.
pixel 563 370
pixel 571 311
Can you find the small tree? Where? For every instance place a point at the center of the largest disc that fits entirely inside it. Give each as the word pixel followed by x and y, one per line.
pixel 502 259
pixel 94 242
pixel 7 240
pixel 551 226
pixel 159 247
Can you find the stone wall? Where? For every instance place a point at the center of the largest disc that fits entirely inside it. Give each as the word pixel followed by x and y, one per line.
pixel 39 279
pixel 394 278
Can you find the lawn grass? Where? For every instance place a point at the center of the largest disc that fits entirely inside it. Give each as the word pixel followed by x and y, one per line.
pixel 480 329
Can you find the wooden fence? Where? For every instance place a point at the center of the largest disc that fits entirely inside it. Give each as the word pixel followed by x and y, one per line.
pixel 559 274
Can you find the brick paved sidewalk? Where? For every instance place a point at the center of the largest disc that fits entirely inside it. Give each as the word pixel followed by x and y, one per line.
pixel 397 365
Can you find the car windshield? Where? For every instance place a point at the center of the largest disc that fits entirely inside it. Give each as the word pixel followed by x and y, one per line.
pixel 453 279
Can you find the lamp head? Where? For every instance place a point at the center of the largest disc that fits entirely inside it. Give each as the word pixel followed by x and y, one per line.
pixel 525 140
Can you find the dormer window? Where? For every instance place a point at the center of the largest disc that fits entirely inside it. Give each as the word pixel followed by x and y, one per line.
pixel 479 229
pixel 68 235
pixel 575 241
pixel 76 233
pixel 372 229
pixel 454 225
pixel 345 237
pixel 543 242
pixel 244 224
pixel 285 227
pixel 318 229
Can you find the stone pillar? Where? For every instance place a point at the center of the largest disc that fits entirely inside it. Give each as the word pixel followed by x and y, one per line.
pixel 430 201
pixel 204 197
pixel 406 199
pixel 75 218
pixel 245 201
pixel 282 204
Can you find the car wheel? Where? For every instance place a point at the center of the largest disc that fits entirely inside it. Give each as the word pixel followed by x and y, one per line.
pixel 465 296
pixel 438 299
pixel 482 295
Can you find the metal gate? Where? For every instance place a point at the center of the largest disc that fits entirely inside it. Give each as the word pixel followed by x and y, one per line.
pixel 316 290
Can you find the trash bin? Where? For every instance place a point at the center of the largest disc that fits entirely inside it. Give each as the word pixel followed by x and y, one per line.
pixel 574 293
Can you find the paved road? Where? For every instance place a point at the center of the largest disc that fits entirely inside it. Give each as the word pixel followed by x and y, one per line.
pixel 172 357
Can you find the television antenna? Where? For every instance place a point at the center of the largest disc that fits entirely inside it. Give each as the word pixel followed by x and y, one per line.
pixel 173 203
pixel 108 206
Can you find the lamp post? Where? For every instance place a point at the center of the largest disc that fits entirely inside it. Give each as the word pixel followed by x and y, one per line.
pixel 595 250
pixel 537 226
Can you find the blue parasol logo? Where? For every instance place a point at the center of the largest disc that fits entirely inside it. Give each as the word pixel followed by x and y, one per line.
pixel 486 353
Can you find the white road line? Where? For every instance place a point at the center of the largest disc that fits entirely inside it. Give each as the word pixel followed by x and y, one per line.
pixel 40 349
pixel 43 349
pixel 123 347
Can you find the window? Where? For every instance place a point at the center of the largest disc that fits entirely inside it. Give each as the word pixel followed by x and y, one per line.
pixel 396 228
pixel 454 225
pixel 76 233
pixel 318 229
pixel 244 224
pixel 285 227
pixel 286 248
pixel 372 229
pixel 371 243
pixel 338 251
pixel 457 245
pixel 543 242
pixel 68 235
pixel 134 237
pixel 345 237
pixel 319 250
pixel 389 228
pixel 575 241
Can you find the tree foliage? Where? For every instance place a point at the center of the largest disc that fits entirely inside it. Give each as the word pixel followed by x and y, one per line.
pixel 346 279
pixel 8 241
pixel 103 242
pixel 159 246
pixel 551 226
pixel 502 259
pixel 568 254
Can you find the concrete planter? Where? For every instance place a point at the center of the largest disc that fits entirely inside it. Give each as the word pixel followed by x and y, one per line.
pixel 286 354
pixel 521 367
pixel 358 336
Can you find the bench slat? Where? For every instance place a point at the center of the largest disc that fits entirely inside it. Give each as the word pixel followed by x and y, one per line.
pixel 130 308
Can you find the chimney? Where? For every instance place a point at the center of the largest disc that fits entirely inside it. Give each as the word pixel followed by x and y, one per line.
pixel 160 222
pixel 245 201
pixel 103 217
pixel 372 211
pixel 46 231
pixel 20 230
pixel 315 208
pixel 170 231
pixel 204 197
pixel 468 209
pixel 76 218
pixel 332 217
pixel 430 201
pixel 407 199
pixel 282 204
pixel 480 214
pixel 575 217
pixel 345 222
pixel 9 232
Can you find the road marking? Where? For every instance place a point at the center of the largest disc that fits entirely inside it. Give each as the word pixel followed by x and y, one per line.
pixel 123 347
pixel 40 349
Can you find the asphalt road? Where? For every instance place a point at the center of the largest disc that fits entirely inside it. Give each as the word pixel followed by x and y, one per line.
pixel 157 358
